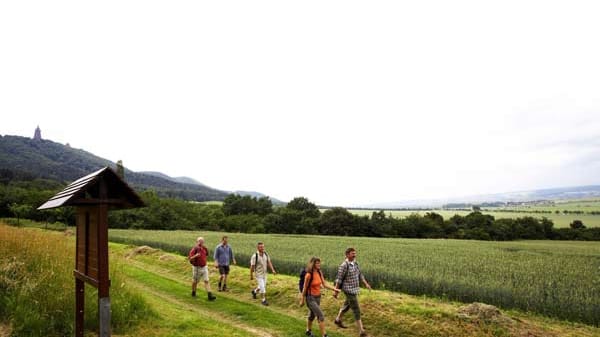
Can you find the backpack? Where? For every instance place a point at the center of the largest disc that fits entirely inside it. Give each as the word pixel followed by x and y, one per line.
pixel 192 253
pixel 255 257
pixel 301 281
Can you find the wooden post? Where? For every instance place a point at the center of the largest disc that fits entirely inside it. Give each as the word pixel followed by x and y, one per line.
pixel 79 306
pixel 103 276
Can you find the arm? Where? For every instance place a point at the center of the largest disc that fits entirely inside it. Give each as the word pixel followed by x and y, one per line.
pixel 216 257
pixel 251 268
pixel 338 277
pixel 195 255
pixel 329 286
pixel 232 256
pixel 271 266
pixel 362 277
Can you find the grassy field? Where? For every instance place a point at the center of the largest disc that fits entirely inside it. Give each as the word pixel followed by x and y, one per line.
pixel 560 220
pixel 161 282
pixel 554 278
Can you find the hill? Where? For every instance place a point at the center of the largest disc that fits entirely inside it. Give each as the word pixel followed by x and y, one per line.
pixel 554 194
pixel 46 159
pixel 188 180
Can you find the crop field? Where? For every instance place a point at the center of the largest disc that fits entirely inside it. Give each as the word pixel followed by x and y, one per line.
pixel 555 278
pixel 560 220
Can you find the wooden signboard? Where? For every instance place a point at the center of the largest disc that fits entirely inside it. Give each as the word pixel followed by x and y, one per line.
pixel 93 195
pixel 86 256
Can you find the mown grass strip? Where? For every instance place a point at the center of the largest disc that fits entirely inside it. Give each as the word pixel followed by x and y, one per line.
pixel 183 319
pixel 233 310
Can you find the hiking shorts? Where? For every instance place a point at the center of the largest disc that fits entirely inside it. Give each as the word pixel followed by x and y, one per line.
pixel 199 273
pixel 262 284
pixel 352 303
pixel 224 270
pixel 314 308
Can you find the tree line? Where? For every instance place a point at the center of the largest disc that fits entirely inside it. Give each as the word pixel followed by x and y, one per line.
pixel 300 216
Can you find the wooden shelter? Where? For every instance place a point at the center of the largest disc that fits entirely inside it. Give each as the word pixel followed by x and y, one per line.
pixel 93 196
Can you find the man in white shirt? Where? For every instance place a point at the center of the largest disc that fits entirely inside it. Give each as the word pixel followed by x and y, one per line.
pixel 258 266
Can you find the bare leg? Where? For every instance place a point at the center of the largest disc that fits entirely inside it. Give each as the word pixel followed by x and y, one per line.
pixel 322 328
pixel 359 324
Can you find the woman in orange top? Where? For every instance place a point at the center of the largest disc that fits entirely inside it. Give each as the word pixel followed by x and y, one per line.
pixel 313 282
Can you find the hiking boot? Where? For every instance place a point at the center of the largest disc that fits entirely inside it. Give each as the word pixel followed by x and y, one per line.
pixel 193 294
pixel 253 294
pixel 363 334
pixel 308 333
pixel 211 297
pixel 339 323
pixel 265 303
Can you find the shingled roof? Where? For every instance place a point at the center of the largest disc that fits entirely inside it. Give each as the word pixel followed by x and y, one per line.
pixel 101 187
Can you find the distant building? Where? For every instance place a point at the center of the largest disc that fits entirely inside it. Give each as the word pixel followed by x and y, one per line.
pixel 38 134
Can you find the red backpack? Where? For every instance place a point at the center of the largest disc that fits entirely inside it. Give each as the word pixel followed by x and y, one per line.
pixel 192 253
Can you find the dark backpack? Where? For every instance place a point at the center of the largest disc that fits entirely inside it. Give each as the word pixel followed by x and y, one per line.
pixel 301 281
pixel 255 257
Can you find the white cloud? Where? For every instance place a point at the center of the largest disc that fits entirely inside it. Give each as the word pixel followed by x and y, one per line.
pixel 341 102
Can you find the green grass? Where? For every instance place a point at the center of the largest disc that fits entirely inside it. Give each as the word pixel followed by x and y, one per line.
pixel 160 282
pixel 554 278
pixel 37 287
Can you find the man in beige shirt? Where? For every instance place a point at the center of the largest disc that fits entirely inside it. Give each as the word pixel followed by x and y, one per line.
pixel 258 267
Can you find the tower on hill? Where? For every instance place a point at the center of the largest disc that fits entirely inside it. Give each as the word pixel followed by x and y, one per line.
pixel 38 134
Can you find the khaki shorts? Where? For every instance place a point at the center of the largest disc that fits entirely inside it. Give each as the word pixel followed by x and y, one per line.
pixel 200 273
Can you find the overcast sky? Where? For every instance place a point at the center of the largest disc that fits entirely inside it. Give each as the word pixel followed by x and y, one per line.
pixel 343 102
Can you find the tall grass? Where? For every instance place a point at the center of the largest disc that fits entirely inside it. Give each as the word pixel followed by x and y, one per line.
pixel 558 279
pixel 37 287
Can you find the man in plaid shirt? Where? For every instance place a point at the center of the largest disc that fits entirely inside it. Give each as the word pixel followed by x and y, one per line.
pixel 348 280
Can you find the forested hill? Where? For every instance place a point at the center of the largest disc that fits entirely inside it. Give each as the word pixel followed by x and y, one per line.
pixel 26 157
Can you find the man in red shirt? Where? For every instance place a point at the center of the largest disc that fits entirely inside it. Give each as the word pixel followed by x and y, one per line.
pixel 197 258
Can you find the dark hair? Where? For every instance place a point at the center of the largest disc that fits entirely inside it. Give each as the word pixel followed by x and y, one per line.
pixel 350 250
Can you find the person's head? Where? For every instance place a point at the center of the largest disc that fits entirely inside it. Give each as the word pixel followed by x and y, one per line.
pixel 200 241
pixel 260 247
pixel 313 264
pixel 350 253
pixel 224 239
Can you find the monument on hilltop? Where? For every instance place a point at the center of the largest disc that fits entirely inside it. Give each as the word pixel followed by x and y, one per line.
pixel 38 134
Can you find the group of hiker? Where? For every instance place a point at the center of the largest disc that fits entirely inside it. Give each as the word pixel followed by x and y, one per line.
pixel 311 281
